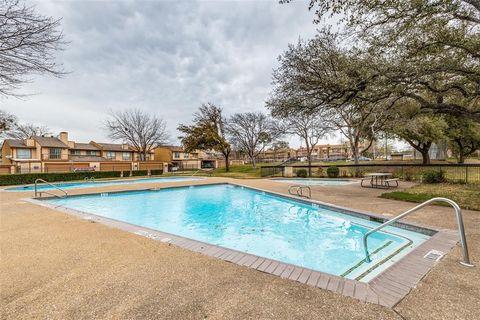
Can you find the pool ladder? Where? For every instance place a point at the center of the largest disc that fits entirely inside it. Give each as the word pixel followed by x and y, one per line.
pixel 65 194
pixel 298 191
pixel 461 229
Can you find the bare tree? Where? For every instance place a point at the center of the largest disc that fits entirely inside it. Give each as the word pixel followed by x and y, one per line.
pixel 359 123
pixel 137 128
pixel 28 43
pixel 7 122
pixel 252 132
pixel 309 126
pixel 25 131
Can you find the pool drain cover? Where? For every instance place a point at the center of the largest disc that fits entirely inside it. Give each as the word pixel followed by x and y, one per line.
pixel 434 255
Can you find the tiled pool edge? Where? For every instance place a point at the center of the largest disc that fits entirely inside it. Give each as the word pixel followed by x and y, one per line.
pixel 386 289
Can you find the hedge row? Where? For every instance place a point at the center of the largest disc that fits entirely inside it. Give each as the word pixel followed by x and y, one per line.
pixel 139 173
pixel 28 178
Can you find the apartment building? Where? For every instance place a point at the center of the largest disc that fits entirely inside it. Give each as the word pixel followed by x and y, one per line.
pixel 59 154
pixel 327 151
pixel 272 155
pixel 320 152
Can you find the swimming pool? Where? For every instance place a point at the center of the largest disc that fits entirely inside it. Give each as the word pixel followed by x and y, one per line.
pixel 259 223
pixel 91 184
pixel 316 182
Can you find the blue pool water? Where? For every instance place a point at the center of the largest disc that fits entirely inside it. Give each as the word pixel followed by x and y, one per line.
pixel 255 222
pixel 316 182
pixel 90 184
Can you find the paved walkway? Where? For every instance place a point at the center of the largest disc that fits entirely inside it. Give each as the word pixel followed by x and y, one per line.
pixel 58 266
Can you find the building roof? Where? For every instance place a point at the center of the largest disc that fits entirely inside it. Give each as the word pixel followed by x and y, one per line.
pixel 49 142
pixel 14 143
pixel 174 148
pixel 84 146
pixel 111 146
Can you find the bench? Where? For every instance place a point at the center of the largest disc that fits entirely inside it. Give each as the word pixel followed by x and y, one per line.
pixel 387 182
pixel 366 178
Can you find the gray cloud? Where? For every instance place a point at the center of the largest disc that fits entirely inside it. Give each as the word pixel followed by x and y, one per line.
pixel 163 57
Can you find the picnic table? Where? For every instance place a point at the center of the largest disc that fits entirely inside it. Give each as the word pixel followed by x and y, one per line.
pixel 380 180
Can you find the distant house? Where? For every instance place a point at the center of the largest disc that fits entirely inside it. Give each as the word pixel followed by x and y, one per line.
pixel 178 157
pixel 58 154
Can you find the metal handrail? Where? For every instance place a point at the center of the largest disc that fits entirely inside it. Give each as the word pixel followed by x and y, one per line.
pixel 309 191
pixel 52 185
pixel 204 170
pixel 461 229
pixel 299 191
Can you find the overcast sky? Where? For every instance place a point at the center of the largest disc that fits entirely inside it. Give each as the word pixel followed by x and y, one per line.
pixel 163 57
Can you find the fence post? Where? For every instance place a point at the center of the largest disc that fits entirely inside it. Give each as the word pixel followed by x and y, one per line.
pixel 288 171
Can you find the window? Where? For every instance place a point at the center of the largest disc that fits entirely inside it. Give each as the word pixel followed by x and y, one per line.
pixel 176 155
pixel 75 152
pixel 110 155
pixel 24 154
pixel 127 156
pixel 186 155
pixel 55 153
pixel 91 152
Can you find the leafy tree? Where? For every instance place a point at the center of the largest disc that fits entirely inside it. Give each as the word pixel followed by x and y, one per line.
pixel 420 131
pixel 280 145
pixel 432 48
pixel 7 122
pixel 207 132
pixel 28 44
pixel 141 130
pixel 252 132
pixel 464 137
pixel 25 131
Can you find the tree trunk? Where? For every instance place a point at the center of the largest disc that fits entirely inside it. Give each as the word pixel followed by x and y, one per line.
pixel 461 151
pixel 425 157
pixel 227 164
pixel 254 164
pixel 309 158
pixel 355 158
pixel 309 165
pixel 461 156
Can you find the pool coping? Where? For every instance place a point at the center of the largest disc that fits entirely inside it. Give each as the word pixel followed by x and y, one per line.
pixel 387 288
pixel 350 180
pixel 107 180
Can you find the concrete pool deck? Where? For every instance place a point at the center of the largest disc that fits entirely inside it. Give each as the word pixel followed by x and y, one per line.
pixel 58 266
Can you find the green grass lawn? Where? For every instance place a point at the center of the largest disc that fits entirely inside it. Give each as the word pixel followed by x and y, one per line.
pixel 466 195
pixel 240 172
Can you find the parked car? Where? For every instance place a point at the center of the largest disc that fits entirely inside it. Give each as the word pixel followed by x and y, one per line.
pixel 362 158
pixel 335 158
